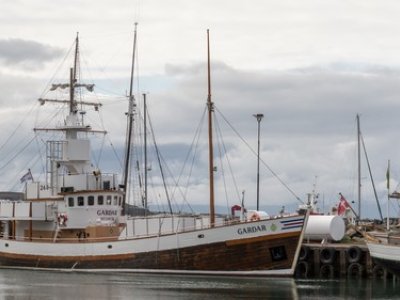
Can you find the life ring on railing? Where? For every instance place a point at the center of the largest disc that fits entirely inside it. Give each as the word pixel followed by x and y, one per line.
pixel 62 219
pixel 255 217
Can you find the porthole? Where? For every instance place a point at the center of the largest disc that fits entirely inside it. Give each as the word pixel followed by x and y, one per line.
pixel 109 246
pixel 6 244
pixel 200 236
pixel 278 253
pixel 81 201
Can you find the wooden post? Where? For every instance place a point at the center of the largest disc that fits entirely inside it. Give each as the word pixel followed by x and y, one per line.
pixel 316 261
pixel 343 265
pixel 30 221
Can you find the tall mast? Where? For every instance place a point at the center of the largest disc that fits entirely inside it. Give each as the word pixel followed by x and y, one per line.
pixel 210 106
pixel 76 60
pixel 130 123
pixel 359 165
pixel 145 149
pixel 388 196
pixel 73 77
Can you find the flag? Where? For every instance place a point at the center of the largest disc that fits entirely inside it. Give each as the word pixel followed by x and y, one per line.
pixel 343 205
pixel 26 177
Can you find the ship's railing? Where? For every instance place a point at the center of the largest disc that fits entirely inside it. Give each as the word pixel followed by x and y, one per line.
pixel 129 235
pixel 159 225
pixel 73 182
pixel 88 181
pixel 27 210
pixel 168 224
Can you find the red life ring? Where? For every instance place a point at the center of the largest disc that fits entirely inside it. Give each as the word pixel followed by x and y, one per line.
pixel 255 217
pixel 62 219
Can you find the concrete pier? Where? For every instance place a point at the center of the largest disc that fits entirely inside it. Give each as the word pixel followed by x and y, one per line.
pixel 335 260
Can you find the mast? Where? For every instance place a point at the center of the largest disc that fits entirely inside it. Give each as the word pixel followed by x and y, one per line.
pixel 76 60
pixel 59 153
pixel 73 77
pixel 388 196
pixel 145 150
pixel 372 178
pixel 359 165
pixel 210 106
pixel 130 123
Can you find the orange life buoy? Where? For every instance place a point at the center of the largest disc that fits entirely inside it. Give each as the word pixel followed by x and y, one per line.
pixel 255 217
pixel 62 219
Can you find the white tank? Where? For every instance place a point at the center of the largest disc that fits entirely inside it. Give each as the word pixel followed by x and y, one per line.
pixel 325 227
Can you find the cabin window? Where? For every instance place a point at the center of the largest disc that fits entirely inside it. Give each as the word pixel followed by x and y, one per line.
pixel 278 253
pixel 71 201
pixel 100 200
pixel 106 185
pixel 91 200
pixel 115 200
pixel 120 201
pixel 108 200
pixel 81 201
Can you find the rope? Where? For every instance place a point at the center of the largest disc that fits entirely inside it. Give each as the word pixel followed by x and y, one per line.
pixel 219 135
pixel 262 161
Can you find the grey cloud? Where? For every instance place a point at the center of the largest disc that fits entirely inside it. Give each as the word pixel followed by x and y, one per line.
pixel 309 124
pixel 18 90
pixel 195 69
pixel 26 54
pixel 308 129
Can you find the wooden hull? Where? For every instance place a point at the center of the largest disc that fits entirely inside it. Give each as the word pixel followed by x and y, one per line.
pixel 386 255
pixel 266 247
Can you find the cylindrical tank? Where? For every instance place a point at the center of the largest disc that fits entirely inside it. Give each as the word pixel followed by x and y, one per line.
pixel 325 227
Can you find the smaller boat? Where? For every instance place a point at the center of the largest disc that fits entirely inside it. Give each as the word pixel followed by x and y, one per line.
pixel 384 245
pixel 386 253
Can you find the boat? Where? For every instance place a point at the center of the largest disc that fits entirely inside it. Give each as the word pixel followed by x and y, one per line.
pixel 384 241
pixel 77 221
pixel 386 252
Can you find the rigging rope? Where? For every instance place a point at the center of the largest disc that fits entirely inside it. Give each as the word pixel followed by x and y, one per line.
pixel 372 179
pixel 12 134
pixel 193 147
pixel 16 154
pixel 176 182
pixel 263 162
pixel 228 161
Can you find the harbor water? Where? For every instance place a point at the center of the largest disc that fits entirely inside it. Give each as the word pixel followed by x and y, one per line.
pixel 26 284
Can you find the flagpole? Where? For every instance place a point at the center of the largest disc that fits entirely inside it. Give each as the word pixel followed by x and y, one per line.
pixel 31 175
pixel 388 196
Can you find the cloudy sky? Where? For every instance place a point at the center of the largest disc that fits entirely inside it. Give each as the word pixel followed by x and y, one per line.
pixel 309 66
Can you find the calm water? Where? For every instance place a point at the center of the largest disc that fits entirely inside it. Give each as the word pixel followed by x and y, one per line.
pixel 17 284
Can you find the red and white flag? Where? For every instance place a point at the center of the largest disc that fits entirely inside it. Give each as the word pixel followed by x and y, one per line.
pixel 343 205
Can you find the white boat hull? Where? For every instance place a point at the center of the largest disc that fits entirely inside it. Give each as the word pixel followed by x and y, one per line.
pixel 386 255
pixel 265 247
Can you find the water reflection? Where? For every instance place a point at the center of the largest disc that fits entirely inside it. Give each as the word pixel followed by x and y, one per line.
pixel 22 284
pixel 347 288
